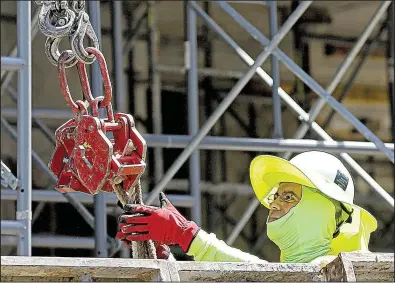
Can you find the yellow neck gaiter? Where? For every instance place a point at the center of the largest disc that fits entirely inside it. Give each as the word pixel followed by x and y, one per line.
pixel 305 232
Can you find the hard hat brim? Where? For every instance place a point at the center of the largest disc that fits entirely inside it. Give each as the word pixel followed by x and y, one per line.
pixel 267 172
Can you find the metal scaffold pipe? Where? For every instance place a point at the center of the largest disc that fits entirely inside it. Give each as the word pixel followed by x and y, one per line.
pixel 204 72
pixel 228 100
pixel 46 195
pixel 50 195
pixel 370 47
pixel 155 85
pixel 7 77
pixel 277 121
pixel 302 75
pixel 191 61
pixel 196 139
pixel 54 242
pixel 298 110
pixel 317 107
pixel 119 76
pixel 12 63
pixel 9 227
pixel 24 131
pixel 272 145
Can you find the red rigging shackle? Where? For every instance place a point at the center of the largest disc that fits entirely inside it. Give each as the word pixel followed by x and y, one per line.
pixel 112 126
pixel 70 162
pixel 85 160
pixel 82 107
pixel 95 108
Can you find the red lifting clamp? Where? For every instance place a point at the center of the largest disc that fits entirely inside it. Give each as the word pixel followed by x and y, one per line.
pixel 85 159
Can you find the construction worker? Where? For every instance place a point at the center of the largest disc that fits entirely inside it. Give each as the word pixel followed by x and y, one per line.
pixel 311 218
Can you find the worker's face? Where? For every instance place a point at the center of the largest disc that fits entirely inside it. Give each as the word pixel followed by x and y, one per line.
pixel 287 196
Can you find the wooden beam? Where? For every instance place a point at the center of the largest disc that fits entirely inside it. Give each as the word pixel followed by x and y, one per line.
pixel 347 266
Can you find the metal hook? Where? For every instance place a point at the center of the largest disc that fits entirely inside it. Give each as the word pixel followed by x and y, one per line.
pixel 45 20
pixel 78 5
pixel 61 5
pixel 53 54
pixel 77 39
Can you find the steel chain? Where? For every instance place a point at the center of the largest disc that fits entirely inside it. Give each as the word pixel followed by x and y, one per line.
pixel 79 106
pixel 59 19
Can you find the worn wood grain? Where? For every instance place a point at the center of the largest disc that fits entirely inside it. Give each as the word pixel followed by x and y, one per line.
pixel 268 272
pixel 346 267
pixel 80 268
pixel 370 267
pixel 361 267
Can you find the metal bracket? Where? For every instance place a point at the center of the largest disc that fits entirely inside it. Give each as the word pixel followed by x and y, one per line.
pixel 23 215
pixel 7 178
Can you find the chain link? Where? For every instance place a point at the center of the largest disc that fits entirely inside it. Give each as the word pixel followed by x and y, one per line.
pixel 79 106
pixel 59 19
pixel 77 6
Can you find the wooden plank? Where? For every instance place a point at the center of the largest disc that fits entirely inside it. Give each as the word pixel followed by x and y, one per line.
pixel 268 272
pixel 173 270
pixel 78 269
pixel 99 269
pixel 357 266
pixel 346 267
pixel 378 267
pixel 334 271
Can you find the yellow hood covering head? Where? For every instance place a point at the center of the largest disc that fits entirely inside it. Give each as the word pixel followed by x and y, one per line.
pixel 325 173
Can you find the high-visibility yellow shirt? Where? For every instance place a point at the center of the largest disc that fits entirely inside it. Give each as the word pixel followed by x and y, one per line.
pixel 206 247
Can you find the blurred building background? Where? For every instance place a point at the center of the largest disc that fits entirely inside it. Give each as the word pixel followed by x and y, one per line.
pixel 154 35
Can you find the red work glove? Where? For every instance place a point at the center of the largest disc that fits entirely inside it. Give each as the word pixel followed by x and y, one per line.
pixel 162 250
pixel 164 225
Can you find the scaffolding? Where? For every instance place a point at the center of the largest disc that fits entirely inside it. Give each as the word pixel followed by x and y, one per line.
pixel 198 137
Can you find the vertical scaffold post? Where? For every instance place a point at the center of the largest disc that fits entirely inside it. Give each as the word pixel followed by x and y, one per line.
pixel 278 131
pixel 155 85
pixel 193 107
pixel 24 143
pixel 390 68
pixel 118 73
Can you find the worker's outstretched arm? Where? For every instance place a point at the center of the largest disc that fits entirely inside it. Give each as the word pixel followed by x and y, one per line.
pixel 206 247
pixel 167 226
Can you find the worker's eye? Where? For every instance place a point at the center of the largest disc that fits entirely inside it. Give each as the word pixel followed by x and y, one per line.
pixel 288 197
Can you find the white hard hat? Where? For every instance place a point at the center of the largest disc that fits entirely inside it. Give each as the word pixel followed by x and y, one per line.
pixel 315 169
